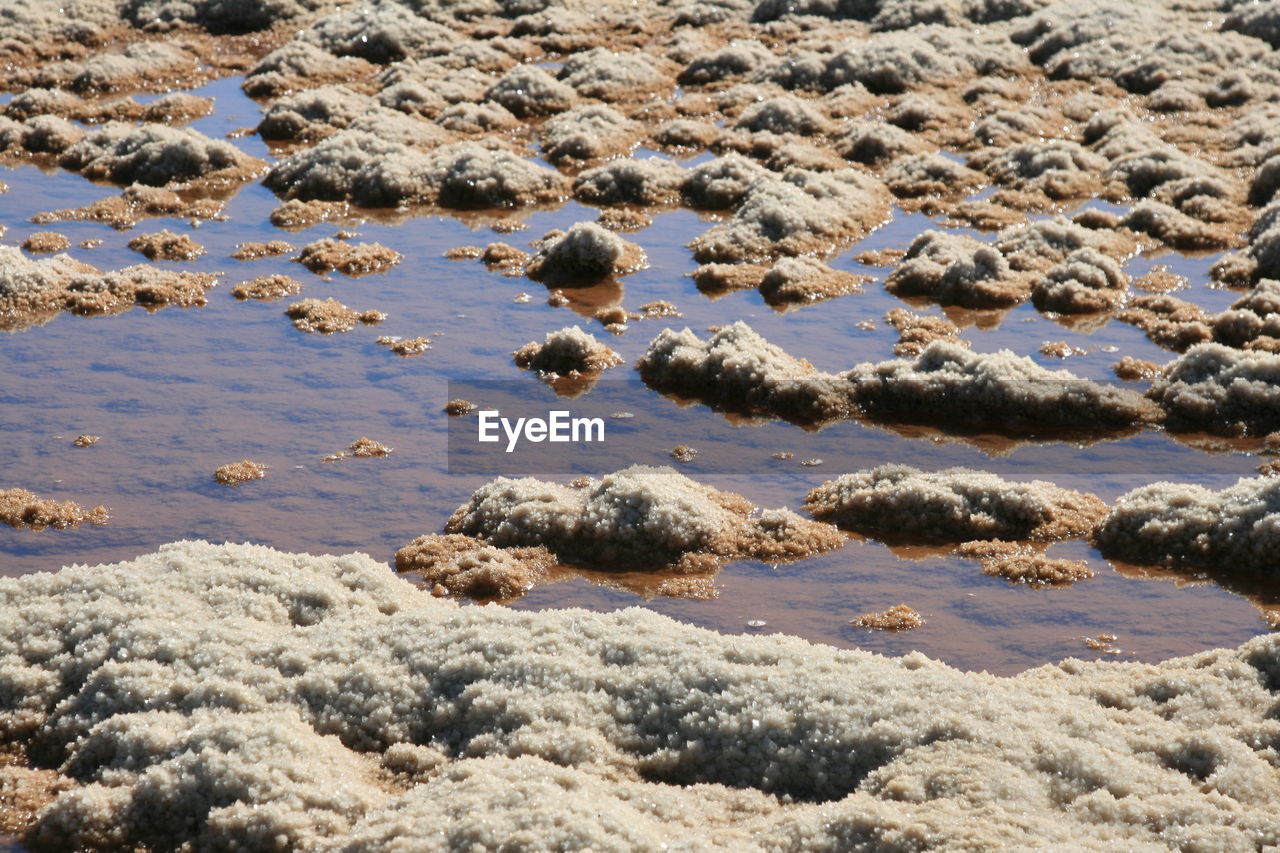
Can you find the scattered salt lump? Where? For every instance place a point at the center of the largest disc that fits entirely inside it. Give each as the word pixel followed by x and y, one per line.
pixel 953 505
pixel 461 565
pixel 567 352
pixel 584 254
pixel 1183 524
pixel 239 696
pixel 946 384
pixel 1220 389
pixel 157 156
pixel 34 291
pixel 640 516
pixel 365 169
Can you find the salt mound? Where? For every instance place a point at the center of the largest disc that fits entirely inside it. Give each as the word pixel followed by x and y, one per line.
pixel 216 16
pixel 639 516
pixel 1058 168
pixel 587 133
pixel 43 134
pixel 157 156
pixel 953 505
pixel 584 254
pixel 721 183
pixel 381 31
pixel 236 695
pixel 784 114
pixel 1085 282
pixel 631 181
pixel 948 384
pixel 800 281
pixel 1183 524
pixel 567 352
pixel 368 170
pixel 735 59
pixel 739 370
pixel 608 76
pixel 527 90
pixel 800 213
pixel 461 565
pixel 954 269
pixel 1222 390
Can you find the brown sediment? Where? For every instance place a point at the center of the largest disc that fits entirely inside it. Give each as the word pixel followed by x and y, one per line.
pixel 900 617
pixel 622 219
pixel 1160 280
pixel 405 346
pixel 25 791
pixel 267 288
pixel 1132 369
pixel 371 317
pixel 462 565
pixel 917 331
pixel 568 352
pixel 639 517
pixel 717 279
pixel 326 256
pixel 23 509
pixel 458 407
pixel 683 453
pixel 166 246
pixel 295 213
pixel 235 473
pixel 136 203
pixel 1023 563
pixel 659 309
pixel 880 257
pixel 505 258
pixel 953 505
pixel 46 243
pixel 464 253
pixel 267 249
pixel 1269 468
pixel 322 316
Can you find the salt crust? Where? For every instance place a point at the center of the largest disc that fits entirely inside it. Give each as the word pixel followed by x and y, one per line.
pixel 567 352
pixel 1236 529
pixel 1220 389
pixel 953 505
pixel 946 384
pixel 584 254
pixel 237 695
pixel 640 516
pixel 156 156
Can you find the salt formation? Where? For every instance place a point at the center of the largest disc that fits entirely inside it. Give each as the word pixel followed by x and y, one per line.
pixel 23 509
pixel 874 142
pixel 916 331
pixel 255 249
pixel 33 291
pixel 137 65
pixel 587 133
pixel 567 352
pixel 1058 168
pixel 629 181
pixel 235 473
pixel 784 114
pixel 156 156
pixel 1020 563
pixel 1215 388
pixel 216 16
pixel 137 202
pixel 322 316
pixel 800 213
pixel 640 517
pixel 900 617
pixel 721 183
pixel 43 134
pixel 460 565
pixel 609 76
pixel 1085 282
pixel 953 505
pixel 527 90
pixel 1184 524
pixel 799 281
pixel 584 254
pixel 953 269
pixel 383 31
pixel 367 170
pixel 166 246
pixel 326 256
pixel 267 288
pixel 298 65
pixel 930 175
pixel 46 243
pixel 239 695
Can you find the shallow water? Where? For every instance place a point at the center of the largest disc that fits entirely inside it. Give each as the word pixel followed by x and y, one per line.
pixel 176 394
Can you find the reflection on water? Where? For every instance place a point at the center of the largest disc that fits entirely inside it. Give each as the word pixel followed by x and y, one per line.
pixel 176 394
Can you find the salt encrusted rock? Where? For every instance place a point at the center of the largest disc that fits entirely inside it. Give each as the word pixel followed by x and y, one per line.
pixel 156 156
pixel 362 168
pixel 267 288
pixel 26 510
pixel 299 65
pixel 1045 243
pixel 137 65
pixel 477 118
pixel 800 213
pixel 630 181
pixel 42 134
pixel 1215 388
pixel 954 269
pixel 953 505
pixel 274 684
pixel 584 254
pixel 314 113
pixel 216 16
pixel 874 142
pixel 34 30
pixel 893 62
pixel 33 291
pixel 1058 168
pixel 949 385
pixel 1183 524
pixel 1176 229
pixel 721 183
pixel 930 174
pixel 1258 19
pixel 235 473
pixel 1085 282
pixel 590 132
pixel 639 516
pixel 800 281
pixel 567 352
pixel 735 59
pixel 608 76
pixel 784 114
pixel 381 31
pixel 527 90
pixel 462 565
pixel 916 331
